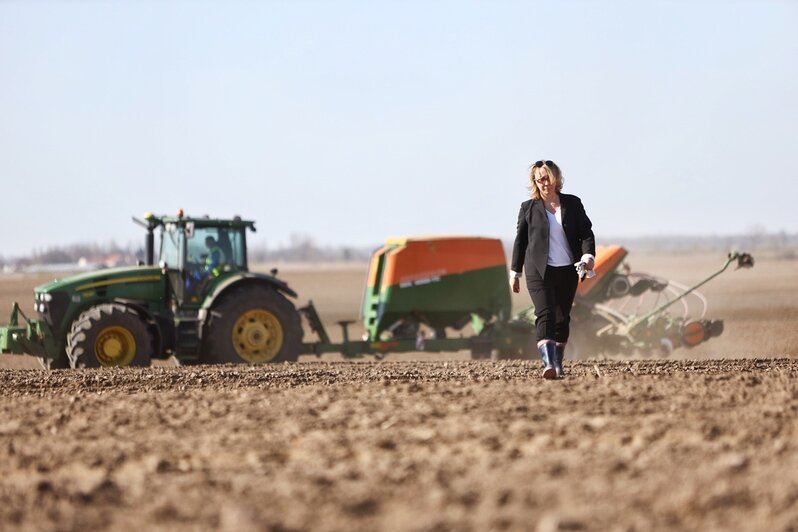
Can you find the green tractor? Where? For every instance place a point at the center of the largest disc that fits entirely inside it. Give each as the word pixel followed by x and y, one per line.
pixel 199 303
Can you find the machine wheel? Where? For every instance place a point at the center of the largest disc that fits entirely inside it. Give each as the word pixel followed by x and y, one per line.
pixel 109 335
pixel 405 329
pixel 60 362
pixel 509 353
pixel 483 345
pixel 480 353
pixel 254 325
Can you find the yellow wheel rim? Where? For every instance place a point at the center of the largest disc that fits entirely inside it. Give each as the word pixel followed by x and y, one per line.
pixel 115 346
pixel 257 336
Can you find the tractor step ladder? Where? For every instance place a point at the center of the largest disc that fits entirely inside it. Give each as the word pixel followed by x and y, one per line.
pixel 187 341
pixel 372 313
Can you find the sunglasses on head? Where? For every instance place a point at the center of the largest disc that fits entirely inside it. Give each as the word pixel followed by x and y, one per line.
pixel 541 163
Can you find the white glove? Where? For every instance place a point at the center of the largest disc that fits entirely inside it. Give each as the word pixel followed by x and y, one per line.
pixel 582 271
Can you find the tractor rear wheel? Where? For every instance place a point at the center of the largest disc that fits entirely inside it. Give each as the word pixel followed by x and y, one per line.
pixel 109 335
pixel 254 325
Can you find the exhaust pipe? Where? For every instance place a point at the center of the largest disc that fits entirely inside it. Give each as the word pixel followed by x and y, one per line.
pixel 150 247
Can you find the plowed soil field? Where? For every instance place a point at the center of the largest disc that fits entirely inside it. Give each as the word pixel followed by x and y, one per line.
pixel 704 440
pixel 449 445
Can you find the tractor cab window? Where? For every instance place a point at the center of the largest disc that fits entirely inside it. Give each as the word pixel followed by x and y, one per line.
pixel 171 246
pixel 210 252
pixel 213 250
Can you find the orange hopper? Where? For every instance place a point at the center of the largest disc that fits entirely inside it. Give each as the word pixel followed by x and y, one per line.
pixel 608 258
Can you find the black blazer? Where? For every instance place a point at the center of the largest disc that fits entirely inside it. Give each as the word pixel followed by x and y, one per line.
pixel 532 239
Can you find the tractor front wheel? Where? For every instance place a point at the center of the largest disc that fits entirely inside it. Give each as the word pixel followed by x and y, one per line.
pixel 254 325
pixel 109 335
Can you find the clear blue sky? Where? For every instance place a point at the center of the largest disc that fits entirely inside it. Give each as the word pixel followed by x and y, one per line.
pixel 353 121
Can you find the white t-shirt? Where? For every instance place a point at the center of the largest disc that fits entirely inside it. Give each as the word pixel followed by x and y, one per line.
pixel 559 252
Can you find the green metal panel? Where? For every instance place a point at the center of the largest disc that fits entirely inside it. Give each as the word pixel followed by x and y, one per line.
pixel 226 281
pixel 371 297
pixel 60 301
pixel 448 301
pixel 33 337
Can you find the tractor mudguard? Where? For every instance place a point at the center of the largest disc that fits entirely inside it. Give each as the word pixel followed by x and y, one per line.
pixel 245 278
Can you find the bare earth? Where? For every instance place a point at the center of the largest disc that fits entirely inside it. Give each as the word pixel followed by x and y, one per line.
pixel 705 440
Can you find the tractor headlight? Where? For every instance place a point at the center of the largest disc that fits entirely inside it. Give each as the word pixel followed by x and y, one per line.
pixel 52 306
pixel 41 302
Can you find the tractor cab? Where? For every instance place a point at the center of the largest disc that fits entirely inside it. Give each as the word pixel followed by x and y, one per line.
pixel 197 253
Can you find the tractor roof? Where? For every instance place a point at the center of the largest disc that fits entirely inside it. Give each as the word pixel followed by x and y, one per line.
pixel 199 221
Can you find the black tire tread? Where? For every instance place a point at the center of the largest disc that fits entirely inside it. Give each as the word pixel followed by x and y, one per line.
pixel 89 319
pixel 217 349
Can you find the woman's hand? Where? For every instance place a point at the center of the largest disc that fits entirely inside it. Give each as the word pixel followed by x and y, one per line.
pixel 516 285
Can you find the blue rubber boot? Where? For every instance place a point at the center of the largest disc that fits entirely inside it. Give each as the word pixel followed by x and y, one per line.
pixel 560 347
pixel 548 352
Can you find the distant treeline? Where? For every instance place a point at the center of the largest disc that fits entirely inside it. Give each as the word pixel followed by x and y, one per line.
pixel 778 245
pixel 781 243
pixel 74 253
pixel 305 249
pixel 299 249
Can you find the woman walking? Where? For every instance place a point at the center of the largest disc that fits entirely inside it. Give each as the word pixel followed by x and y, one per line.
pixel 554 241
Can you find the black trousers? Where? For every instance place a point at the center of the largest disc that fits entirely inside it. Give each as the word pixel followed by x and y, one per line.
pixel 553 297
